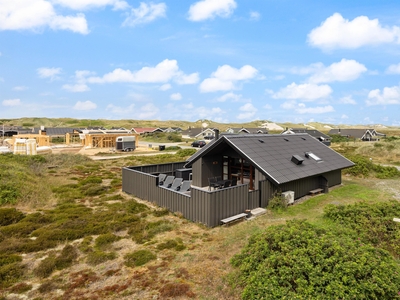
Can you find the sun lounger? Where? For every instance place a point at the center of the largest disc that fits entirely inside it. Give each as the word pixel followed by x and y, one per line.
pixel 176 184
pixel 161 178
pixel 168 181
pixel 185 186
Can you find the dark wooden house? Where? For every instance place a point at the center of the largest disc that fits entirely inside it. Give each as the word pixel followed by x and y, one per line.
pixel 258 165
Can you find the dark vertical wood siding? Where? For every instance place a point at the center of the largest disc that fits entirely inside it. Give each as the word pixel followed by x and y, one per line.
pixel 210 207
pixel 202 206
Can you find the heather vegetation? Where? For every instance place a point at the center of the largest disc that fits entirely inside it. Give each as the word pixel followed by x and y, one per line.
pixel 68 232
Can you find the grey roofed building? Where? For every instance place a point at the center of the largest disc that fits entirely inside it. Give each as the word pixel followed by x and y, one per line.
pixel 246 130
pixel 197 133
pixel 272 155
pixel 257 167
pixel 322 137
pixel 366 134
pixel 54 131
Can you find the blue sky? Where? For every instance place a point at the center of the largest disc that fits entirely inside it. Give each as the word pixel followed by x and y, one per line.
pixel 334 62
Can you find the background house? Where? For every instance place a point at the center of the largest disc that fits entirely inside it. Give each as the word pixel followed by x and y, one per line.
pixel 322 137
pixel 361 134
pixel 198 133
pixel 243 130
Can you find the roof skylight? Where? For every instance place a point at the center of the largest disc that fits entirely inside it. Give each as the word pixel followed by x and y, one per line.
pixel 313 156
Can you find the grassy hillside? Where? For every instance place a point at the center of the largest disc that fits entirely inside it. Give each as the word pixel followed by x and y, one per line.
pixel 69 122
pixel 67 231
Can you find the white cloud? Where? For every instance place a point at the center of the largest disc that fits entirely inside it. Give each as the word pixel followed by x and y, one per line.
pixel 344 117
pixel 247 111
pixel 76 88
pixel 255 16
pixel 393 69
pixel 209 9
pixel 165 87
pixel 162 72
pixel 187 79
pixel 347 100
pixel 86 105
pixel 11 102
pixel 80 85
pixel 345 70
pixel 145 13
pixel 88 4
pixel 49 73
pixel 20 88
pixel 176 97
pixel 147 111
pixel 389 95
pixel 267 106
pixel 225 77
pixel 37 14
pixel 229 96
pixel 337 32
pixel 314 110
pixel 307 91
pixel 118 110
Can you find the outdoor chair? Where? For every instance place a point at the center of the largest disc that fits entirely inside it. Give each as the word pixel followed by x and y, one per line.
pixel 185 186
pixel 168 181
pixel 226 184
pixel 234 181
pixel 212 183
pixel 176 184
pixel 161 178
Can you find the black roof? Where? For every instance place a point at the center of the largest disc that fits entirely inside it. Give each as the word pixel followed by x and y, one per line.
pixel 272 155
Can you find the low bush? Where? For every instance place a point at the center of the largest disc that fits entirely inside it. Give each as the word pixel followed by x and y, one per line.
pixel 302 261
pixel 105 240
pixel 138 258
pixel 20 288
pixel 9 259
pixel 10 274
pixel 372 223
pixel 277 202
pixel 176 290
pixel 10 215
pixel 9 194
pixel 364 167
pixel 97 257
pixel 161 212
pixel 185 152
pixel 46 267
pixel 171 244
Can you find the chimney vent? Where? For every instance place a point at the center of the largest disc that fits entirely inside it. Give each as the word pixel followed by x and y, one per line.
pixel 216 134
pixel 298 160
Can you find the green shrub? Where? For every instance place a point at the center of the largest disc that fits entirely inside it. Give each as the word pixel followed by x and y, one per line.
pixel 161 212
pixel 20 288
pixel 138 258
pixel 185 152
pixel 302 261
pixel 84 246
pixel 9 259
pixel 372 223
pixel 46 267
pixel 67 257
pixel 105 240
pixel 277 202
pixel 8 194
pixel 93 190
pixel 171 244
pixel 10 215
pixel 10 274
pixel 97 257
pixel 365 168
pixel 91 179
